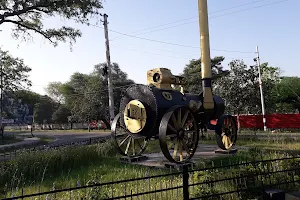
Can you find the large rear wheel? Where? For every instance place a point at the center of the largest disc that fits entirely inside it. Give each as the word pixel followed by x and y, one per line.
pixel 178 134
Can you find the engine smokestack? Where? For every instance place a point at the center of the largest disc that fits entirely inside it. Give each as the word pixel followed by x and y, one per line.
pixel 208 102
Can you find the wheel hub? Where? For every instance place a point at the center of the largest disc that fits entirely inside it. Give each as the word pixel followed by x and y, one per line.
pixel 135 116
pixel 227 132
pixel 180 134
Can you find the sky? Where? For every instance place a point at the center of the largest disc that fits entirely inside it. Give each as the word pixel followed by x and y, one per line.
pixel 236 28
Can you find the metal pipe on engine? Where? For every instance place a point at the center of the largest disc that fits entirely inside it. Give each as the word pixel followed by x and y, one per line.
pixel 208 102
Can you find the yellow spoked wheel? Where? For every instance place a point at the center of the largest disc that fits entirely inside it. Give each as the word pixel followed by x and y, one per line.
pixel 226 132
pixel 127 144
pixel 178 134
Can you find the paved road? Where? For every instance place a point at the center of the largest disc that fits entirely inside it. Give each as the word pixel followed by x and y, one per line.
pixel 61 136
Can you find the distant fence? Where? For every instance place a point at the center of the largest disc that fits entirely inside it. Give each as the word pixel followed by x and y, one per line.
pixel 273 121
pixel 235 181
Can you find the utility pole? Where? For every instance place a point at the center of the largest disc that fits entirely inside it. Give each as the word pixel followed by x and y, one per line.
pixel 261 90
pixel 109 79
pixel 1 99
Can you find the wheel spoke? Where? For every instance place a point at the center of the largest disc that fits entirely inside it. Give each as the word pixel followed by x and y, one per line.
pixel 128 145
pixel 180 151
pixel 186 148
pixel 172 128
pixel 139 144
pixel 179 118
pixel 123 141
pixel 175 149
pixel 186 114
pixel 133 147
pixel 175 121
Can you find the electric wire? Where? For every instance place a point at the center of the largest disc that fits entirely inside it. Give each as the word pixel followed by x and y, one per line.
pixel 174 44
pixel 114 39
pixel 174 22
pixel 187 46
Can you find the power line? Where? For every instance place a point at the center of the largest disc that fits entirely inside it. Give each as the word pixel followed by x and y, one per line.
pixel 158 54
pixel 174 22
pixel 181 45
pixel 197 20
pixel 174 44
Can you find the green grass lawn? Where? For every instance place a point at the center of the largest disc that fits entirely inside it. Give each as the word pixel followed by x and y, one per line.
pixel 68 167
pixel 9 140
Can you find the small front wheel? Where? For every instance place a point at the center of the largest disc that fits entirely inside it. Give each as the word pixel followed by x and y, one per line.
pixel 127 144
pixel 226 132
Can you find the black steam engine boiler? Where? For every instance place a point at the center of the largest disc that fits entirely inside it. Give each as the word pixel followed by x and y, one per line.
pixel 162 110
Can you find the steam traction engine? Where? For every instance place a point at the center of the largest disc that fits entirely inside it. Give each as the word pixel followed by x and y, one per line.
pixel 158 111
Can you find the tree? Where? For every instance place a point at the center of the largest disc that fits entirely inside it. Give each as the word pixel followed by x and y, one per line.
pixel 240 88
pixel 61 114
pixel 14 76
pixel 119 79
pixel 28 97
pixel 237 87
pixel 44 110
pixel 86 95
pixel 54 91
pixel 287 95
pixel 192 73
pixel 27 17
pixel 14 73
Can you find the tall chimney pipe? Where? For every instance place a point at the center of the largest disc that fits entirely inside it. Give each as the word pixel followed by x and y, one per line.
pixel 208 102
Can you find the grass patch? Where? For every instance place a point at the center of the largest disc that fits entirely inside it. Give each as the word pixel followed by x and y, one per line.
pixel 41 171
pixel 74 166
pixel 9 139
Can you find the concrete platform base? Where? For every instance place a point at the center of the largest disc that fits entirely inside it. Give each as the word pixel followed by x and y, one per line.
pixel 204 151
pixel 230 151
pixel 133 159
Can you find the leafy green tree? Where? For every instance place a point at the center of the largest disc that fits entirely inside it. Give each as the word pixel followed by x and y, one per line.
pixel 28 16
pixel 28 97
pixel 61 114
pixel 14 73
pixel 192 73
pixel 86 95
pixel 14 76
pixel 237 87
pixel 287 95
pixel 54 91
pixel 240 88
pixel 120 82
pixel 44 109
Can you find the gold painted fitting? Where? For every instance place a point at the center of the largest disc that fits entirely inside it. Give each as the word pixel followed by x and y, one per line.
pixel 135 116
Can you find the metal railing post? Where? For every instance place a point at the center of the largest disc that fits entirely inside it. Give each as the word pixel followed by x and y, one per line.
pixel 185 182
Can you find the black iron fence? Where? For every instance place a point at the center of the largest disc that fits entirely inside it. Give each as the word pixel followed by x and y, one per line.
pixel 77 142
pixel 243 180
